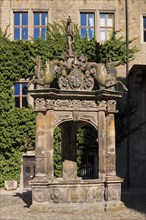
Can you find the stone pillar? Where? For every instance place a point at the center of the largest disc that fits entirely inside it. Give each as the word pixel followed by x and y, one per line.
pixel 112 182
pixel 110 143
pixel 69 151
pixel 40 154
pixel 102 139
pixel 50 126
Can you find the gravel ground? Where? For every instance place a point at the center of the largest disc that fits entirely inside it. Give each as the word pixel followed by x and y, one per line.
pixel 14 205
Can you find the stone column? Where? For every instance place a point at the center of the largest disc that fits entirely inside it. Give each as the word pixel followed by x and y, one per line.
pixel 50 126
pixel 40 154
pixel 102 138
pixel 110 143
pixel 69 151
pixel 112 182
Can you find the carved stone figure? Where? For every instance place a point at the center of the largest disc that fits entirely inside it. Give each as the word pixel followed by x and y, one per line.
pixel 103 78
pixel 43 76
pixel 69 34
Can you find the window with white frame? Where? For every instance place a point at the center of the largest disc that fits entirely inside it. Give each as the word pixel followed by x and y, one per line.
pixel 87 24
pixel 106 25
pixel 20 25
pixel 40 21
pixel 21 93
pixel 144 28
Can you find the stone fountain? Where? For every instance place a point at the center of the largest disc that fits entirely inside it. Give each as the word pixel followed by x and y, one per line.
pixel 86 94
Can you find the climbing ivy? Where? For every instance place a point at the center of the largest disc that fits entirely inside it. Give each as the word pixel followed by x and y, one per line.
pixel 17 133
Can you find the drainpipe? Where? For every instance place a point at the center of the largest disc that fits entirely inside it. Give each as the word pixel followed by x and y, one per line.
pixel 128 98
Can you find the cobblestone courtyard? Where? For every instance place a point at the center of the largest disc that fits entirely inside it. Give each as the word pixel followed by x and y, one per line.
pixel 14 205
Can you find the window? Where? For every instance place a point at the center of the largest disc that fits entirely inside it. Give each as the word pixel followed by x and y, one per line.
pixel 106 25
pixel 20 26
pixel 144 29
pixel 87 25
pixel 40 25
pixel 20 93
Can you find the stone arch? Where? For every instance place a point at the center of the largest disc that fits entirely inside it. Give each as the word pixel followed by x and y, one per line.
pixel 69 130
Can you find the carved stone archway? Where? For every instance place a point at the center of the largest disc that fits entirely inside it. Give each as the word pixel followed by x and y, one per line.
pixel 76 100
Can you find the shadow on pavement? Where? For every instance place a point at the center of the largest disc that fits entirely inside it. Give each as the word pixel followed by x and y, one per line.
pixel 26 197
pixel 135 200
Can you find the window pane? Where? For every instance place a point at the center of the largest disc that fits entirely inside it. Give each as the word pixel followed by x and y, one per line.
pixel 91 20
pixel 24 102
pixel 102 20
pixel 144 36
pixel 16 18
pixel 36 33
pixel 83 19
pixel 24 34
pixel 102 35
pixel 17 102
pixel 110 20
pixel 44 18
pixel 43 33
pixel 144 22
pixel 16 33
pixel 36 18
pixel 24 19
pixel 24 89
pixel 17 89
pixel 90 33
pixel 83 32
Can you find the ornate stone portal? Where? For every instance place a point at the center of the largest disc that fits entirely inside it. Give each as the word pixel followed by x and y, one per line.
pixel 87 95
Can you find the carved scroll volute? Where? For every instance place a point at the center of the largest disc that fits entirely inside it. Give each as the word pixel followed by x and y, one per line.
pixel 111 106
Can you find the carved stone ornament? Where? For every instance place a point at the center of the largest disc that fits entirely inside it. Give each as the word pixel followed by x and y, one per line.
pixel 102 105
pixel 110 159
pixel 76 80
pixel 111 105
pixel 40 195
pixel 113 193
pixel 40 103
pixel 76 115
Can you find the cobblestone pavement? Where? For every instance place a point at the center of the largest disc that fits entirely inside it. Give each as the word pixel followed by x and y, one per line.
pixel 14 205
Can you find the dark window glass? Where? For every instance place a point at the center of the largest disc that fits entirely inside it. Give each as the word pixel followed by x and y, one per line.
pixel 24 33
pixel 20 26
pixel 87 20
pixel 36 33
pixel 40 23
pixel 24 102
pixel 44 18
pixel 20 93
pixel 17 89
pixel 83 19
pixel 17 102
pixel 16 33
pixel 24 19
pixel 144 36
pixel 83 32
pixel 36 18
pixel 144 22
pixel 16 18
pixel 24 89
pixel 43 33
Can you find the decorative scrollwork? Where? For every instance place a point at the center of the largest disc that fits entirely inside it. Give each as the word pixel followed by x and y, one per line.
pixel 111 105
pixel 40 103
pixel 102 105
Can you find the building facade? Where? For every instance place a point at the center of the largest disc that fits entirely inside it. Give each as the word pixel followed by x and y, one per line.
pixel 28 18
